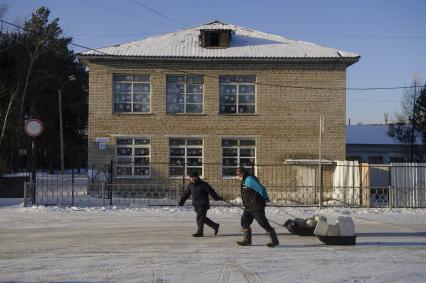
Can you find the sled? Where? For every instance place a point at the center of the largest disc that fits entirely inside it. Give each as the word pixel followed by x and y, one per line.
pixel 338 240
pixel 340 234
pixel 295 229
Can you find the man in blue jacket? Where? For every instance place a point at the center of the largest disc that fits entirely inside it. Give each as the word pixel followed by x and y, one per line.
pixel 254 197
pixel 200 192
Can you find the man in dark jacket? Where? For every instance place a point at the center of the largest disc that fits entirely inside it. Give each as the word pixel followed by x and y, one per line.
pixel 254 197
pixel 200 192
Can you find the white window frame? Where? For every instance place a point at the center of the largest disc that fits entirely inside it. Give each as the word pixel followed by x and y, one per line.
pixel 132 101
pixel 132 163
pixel 186 168
pixel 185 84
pixel 237 85
pixel 238 157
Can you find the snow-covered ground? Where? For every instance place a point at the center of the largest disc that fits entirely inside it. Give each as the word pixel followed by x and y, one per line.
pixel 154 244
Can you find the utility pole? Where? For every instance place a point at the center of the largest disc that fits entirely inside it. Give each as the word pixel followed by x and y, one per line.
pixel 413 121
pixel 61 133
pixel 321 187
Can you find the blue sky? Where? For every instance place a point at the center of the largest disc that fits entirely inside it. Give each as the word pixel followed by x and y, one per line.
pixel 390 35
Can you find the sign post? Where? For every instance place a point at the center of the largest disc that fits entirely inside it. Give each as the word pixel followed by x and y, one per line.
pixel 33 128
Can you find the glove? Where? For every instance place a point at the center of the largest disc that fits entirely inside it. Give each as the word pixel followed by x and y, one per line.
pixel 220 198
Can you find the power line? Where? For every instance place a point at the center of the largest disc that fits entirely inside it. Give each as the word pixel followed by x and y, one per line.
pixel 361 36
pixel 107 35
pixel 373 101
pixel 111 9
pixel 257 83
pixel 160 14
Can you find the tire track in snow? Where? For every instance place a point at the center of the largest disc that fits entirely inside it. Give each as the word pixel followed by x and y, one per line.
pixel 226 273
pixel 249 275
pixel 157 273
pixel 107 271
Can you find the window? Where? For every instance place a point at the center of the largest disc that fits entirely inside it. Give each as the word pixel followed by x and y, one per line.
pixel 396 159
pixel 184 94
pixel 375 159
pixel 237 152
pixel 354 158
pixel 133 157
pixel 131 93
pixel 186 155
pixel 214 39
pixel 237 94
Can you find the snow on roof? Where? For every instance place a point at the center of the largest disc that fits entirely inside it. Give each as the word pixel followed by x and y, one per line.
pixel 245 43
pixel 216 25
pixel 369 134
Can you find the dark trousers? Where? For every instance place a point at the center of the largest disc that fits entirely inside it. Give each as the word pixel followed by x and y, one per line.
pixel 248 217
pixel 203 219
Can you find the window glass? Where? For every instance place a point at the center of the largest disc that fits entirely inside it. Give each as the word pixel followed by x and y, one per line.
pixel 394 159
pixel 131 93
pixel 133 157
pixel 237 152
pixel 375 160
pixel 237 94
pixel 214 39
pixel 186 155
pixel 184 94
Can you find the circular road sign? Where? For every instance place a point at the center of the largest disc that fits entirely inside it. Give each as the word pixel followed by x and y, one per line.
pixel 33 127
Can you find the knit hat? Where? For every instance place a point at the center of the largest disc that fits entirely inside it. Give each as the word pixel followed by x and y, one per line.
pixel 242 170
pixel 194 174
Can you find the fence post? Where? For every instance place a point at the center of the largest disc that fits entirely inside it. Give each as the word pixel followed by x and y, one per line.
pixel 390 197
pixel 103 193
pixel 33 192
pixel 177 196
pixel 25 194
pixel 111 172
pixel 183 183
pixel 321 185
pixel 72 186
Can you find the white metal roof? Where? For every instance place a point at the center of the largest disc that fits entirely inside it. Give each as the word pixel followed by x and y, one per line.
pixel 245 43
pixel 369 134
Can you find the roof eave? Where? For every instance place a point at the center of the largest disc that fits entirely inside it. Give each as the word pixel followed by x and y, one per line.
pixel 347 61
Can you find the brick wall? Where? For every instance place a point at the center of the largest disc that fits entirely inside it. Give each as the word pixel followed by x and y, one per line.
pixel 286 124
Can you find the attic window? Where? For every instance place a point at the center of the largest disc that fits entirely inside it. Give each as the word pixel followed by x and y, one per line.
pixel 215 38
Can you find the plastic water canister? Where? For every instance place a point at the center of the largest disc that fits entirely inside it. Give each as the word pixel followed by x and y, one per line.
pixel 346 226
pixel 321 228
pixel 320 217
pixel 333 230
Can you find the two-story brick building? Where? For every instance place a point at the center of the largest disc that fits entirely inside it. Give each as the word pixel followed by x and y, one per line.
pixel 213 94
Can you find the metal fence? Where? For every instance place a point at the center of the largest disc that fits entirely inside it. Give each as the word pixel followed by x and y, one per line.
pixel 340 183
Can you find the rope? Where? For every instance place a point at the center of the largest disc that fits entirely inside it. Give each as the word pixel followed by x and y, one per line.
pixel 242 208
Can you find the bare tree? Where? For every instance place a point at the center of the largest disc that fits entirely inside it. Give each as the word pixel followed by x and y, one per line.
pixel 408 100
pixel 408 129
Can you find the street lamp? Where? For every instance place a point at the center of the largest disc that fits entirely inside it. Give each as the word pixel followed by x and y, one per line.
pixel 61 134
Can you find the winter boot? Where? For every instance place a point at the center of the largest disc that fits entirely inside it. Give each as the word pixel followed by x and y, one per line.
pixel 198 234
pixel 247 238
pixel 216 228
pixel 274 239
